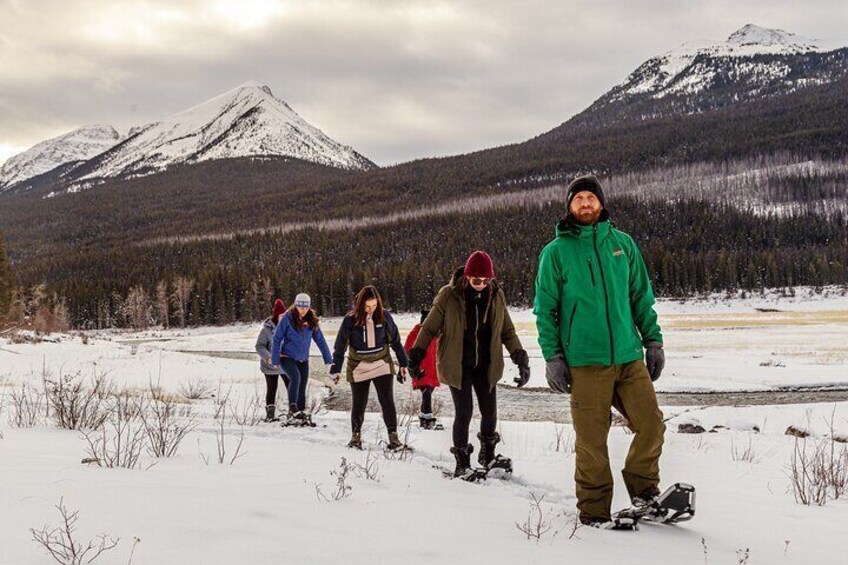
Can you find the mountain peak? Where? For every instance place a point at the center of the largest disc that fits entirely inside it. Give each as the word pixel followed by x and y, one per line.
pixel 253 85
pixel 754 35
pixel 245 121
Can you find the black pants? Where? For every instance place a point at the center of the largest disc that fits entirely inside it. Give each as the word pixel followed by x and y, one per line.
pixel 463 405
pixel 427 400
pixel 271 388
pixel 360 390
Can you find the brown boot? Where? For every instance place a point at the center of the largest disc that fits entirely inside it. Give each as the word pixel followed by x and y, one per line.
pixel 394 443
pixel 355 440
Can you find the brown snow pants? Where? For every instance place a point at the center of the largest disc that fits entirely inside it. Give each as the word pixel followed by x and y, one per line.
pixel 594 390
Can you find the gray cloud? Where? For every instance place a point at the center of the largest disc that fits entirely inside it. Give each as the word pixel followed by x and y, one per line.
pixel 396 80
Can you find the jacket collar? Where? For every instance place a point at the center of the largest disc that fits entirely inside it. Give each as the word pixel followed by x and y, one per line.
pixel 569 227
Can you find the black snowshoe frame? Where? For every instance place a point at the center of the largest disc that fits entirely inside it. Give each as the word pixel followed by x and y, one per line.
pixel 676 504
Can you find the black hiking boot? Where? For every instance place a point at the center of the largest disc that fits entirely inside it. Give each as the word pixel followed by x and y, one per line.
pixel 463 460
pixel 270 414
pixel 487 449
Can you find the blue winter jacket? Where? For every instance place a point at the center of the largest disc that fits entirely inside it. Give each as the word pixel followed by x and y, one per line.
pixel 295 343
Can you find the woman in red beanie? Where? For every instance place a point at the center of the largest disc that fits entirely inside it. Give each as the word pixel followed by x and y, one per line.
pixel 272 372
pixel 470 317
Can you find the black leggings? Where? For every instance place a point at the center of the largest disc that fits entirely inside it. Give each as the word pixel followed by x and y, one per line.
pixel 271 388
pixel 463 405
pixel 427 400
pixel 384 395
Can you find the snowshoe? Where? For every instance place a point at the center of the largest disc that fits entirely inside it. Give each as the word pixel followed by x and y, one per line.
pixel 429 422
pixel 299 420
pixel 499 467
pixel 626 523
pixel 676 504
pixel 395 444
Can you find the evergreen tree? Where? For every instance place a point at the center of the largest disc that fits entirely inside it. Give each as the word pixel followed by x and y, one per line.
pixel 6 280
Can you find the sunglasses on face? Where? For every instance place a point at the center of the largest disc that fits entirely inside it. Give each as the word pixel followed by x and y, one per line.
pixel 477 281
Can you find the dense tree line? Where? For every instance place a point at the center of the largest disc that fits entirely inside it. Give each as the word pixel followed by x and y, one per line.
pixel 7 281
pixel 689 246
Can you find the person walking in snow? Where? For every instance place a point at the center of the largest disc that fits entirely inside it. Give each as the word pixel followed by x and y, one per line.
pixel 272 371
pixel 291 342
pixel 367 333
pixel 471 320
pixel 430 380
pixel 595 316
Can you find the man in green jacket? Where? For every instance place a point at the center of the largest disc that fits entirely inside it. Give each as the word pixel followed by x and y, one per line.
pixel 595 313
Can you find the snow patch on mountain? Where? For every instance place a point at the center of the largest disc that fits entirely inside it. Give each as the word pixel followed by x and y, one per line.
pixel 247 121
pixel 78 145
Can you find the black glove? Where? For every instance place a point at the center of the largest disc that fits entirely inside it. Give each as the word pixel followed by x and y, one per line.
pixel 654 359
pixel 416 356
pixel 522 361
pixel 400 378
pixel 558 375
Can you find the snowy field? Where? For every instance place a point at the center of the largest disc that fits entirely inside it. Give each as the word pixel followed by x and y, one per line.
pixel 275 503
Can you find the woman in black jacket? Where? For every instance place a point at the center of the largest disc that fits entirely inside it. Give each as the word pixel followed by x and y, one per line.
pixel 367 333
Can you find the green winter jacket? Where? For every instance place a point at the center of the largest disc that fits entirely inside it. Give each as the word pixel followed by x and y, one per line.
pixel 446 321
pixel 594 301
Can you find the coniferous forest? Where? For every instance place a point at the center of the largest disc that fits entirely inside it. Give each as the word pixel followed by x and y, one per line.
pixel 689 246
pixel 187 246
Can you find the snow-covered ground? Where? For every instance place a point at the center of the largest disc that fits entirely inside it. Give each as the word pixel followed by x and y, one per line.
pixel 265 508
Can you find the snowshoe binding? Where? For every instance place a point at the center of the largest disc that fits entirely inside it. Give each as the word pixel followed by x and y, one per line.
pixel 676 504
pixel 625 523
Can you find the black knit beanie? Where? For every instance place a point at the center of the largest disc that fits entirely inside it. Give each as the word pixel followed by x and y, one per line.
pixel 587 182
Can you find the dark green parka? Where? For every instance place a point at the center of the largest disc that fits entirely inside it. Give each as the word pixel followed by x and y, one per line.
pixel 594 303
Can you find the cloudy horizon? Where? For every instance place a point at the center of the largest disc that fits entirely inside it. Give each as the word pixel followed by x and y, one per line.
pixel 394 81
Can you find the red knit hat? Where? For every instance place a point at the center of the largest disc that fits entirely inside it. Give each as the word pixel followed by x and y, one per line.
pixel 479 264
pixel 278 309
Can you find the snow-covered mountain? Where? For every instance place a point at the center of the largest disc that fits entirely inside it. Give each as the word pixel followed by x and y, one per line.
pixel 72 147
pixel 754 62
pixel 243 122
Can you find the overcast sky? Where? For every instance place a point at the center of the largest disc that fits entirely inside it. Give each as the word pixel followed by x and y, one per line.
pixel 395 79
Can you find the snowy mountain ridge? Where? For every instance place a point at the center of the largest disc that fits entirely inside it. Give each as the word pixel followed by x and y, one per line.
pixel 751 53
pixel 75 146
pixel 246 121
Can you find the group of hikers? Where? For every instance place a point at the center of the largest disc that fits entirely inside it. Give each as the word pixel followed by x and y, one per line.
pixel 598 334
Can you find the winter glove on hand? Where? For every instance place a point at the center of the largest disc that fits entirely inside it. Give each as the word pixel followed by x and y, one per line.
pixel 654 359
pixel 558 375
pixel 522 361
pixel 416 356
pixel 401 378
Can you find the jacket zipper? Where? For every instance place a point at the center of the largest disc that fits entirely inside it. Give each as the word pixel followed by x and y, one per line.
pixel 570 326
pixel 476 334
pixel 591 270
pixel 606 297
